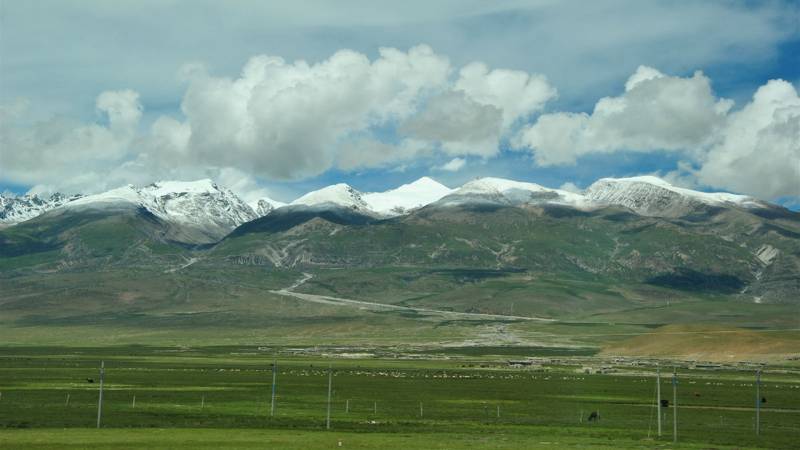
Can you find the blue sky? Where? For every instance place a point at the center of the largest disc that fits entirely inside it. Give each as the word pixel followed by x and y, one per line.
pixel 174 105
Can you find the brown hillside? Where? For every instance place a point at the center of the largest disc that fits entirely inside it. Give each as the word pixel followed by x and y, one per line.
pixel 710 343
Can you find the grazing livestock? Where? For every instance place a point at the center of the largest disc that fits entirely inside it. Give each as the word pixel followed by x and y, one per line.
pixel 594 416
pixel 664 403
pixel 90 380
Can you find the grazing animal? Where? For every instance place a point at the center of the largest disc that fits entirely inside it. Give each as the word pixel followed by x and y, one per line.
pixel 90 380
pixel 763 399
pixel 664 403
pixel 594 416
pixel 697 394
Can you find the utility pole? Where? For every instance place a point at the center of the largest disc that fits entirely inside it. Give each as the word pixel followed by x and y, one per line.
pixel 100 399
pixel 674 404
pixel 274 381
pixel 758 402
pixel 330 386
pixel 658 398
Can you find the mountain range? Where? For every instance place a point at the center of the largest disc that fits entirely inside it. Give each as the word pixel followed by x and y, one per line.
pixel 639 229
pixel 205 205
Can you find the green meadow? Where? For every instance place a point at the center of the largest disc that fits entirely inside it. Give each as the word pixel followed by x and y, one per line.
pixel 171 397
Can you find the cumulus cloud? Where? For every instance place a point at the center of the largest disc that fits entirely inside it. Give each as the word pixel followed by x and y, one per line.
pixel 59 148
pixel 655 112
pixel 571 187
pixel 282 120
pixel 758 151
pixel 286 120
pixel 454 165
pixel 460 125
pixel 516 94
pixel 755 150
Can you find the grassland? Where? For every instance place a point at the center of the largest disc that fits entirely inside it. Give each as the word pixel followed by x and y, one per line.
pixel 220 396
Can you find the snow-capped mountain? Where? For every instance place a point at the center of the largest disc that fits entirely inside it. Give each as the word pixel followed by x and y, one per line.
pixel 265 205
pixel 341 194
pixel 508 192
pixel 406 197
pixel 209 211
pixel 201 211
pixel 15 209
pixel 652 196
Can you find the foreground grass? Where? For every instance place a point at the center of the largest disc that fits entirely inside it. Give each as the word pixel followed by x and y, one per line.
pixel 180 438
pixel 171 397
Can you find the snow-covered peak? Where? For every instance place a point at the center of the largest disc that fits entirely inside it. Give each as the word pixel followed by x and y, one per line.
pixel 204 186
pixel 124 194
pixel 500 190
pixel 407 197
pixel 338 194
pixel 652 196
pixel 491 185
pixel 15 209
pixel 204 211
pixel 265 205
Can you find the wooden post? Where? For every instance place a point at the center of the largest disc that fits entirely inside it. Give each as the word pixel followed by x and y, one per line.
pixel 100 398
pixel 133 403
pixel 658 398
pixel 421 415
pixel 347 406
pixel 202 402
pixel 330 386
pixel 67 402
pixel 274 383
pixel 375 408
pixel 758 402
pixel 674 404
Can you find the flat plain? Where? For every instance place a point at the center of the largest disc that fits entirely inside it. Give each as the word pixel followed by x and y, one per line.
pixel 173 397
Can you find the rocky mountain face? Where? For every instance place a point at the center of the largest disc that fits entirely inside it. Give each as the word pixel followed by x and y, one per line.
pixel 651 196
pixel 264 206
pixel 15 209
pixel 198 212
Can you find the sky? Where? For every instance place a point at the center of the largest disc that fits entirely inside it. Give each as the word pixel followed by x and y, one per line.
pixel 278 98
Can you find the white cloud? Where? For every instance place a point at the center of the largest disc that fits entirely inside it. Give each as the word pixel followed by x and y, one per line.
pixel 286 120
pixel 281 120
pixel 571 187
pixel 57 150
pixel 758 151
pixel 656 112
pixel 454 165
pixel 515 93
pixel 458 124
pixel 755 150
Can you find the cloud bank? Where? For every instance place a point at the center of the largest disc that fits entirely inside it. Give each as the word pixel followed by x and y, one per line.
pixel 755 150
pixel 282 120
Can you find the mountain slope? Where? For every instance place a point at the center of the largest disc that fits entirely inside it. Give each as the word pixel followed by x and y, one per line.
pixel 89 238
pixel 733 252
